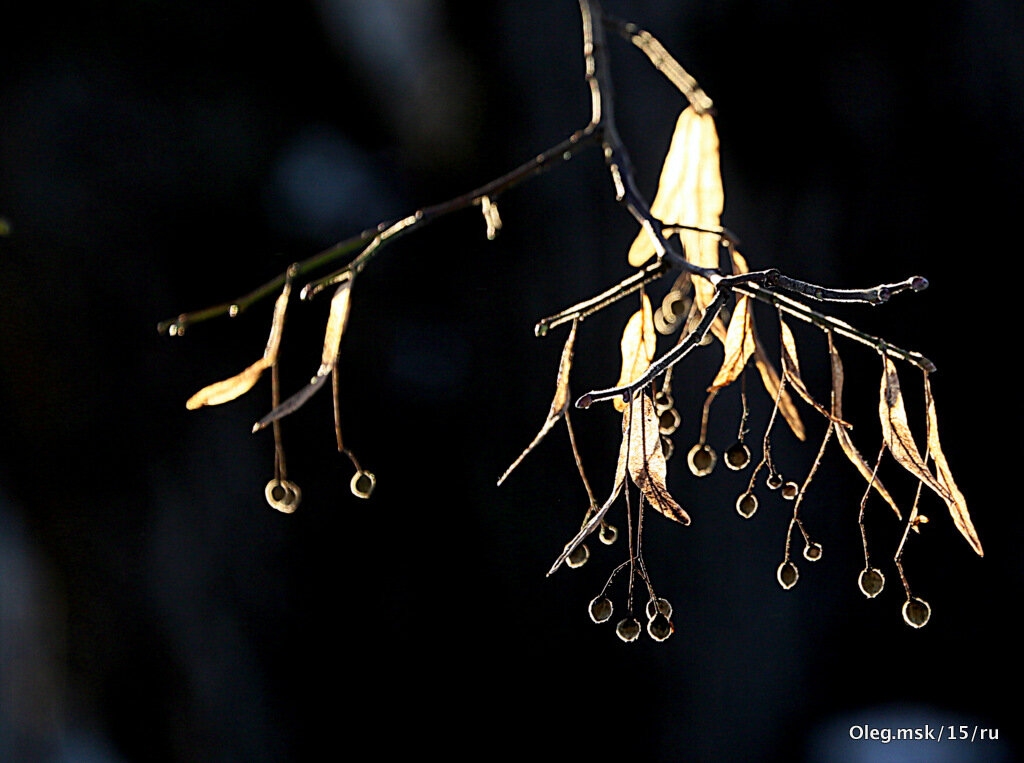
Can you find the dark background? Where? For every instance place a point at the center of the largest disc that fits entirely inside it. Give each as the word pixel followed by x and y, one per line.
pixel 161 156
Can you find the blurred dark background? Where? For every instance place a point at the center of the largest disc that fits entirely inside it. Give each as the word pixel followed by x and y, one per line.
pixel 162 156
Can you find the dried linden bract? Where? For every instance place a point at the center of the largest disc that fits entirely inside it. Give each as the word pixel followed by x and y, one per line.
pixel 787 575
pixel 701 459
pixel 601 609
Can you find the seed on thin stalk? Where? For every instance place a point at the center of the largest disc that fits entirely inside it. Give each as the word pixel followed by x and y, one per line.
pixel 283 495
pixel 774 481
pixel 812 551
pixel 668 421
pixel 608 534
pixel 579 556
pixel 362 484
pixel 790 491
pixel 701 459
pixel 655 606
pixel 871 582
pixel 601 609
pixel 746 505
pixel 916 612
pixel 659 627
pixel 663 401
pixel 628 629
pixel 667 448
pixel 787 575
pixel 737 456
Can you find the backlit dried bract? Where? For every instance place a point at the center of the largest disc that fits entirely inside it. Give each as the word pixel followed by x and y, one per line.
pixel 647 462
pixel 739 345
pixel 957 504
pixel 227 390
pixel 638 345
pixel 897 437
pixel 558 404
pixel 843 436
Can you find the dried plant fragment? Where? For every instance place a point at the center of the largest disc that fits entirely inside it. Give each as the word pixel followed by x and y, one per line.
pixel 689 193
pixel 843 435
pixel 739 345
pixel 558 404
pixel 229 389
pixel 646 461
pixel 958 504
pixel 638 346
pixel 772 383
pixel 896 433
pixel 791 368
pixel 336 322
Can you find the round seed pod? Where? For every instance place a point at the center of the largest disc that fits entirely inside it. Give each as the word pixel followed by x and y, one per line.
pixel 790 491
pixel 916 612
pixel 701 459
pixel 601 609
pixel 579 556
pixel 662 401
pixel 737 456
pixel 774 481
pixel 787 574
pixel 283 495
pixel 608 534
pixel 362 484
pixel 871 582
pixel 669 420
pixel 746 505
pixel 667 448
pixel 628 629
pixel 656 606
pixel 659 627
pixel 812 551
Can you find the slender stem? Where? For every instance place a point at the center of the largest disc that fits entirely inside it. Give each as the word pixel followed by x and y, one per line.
pixel 588 307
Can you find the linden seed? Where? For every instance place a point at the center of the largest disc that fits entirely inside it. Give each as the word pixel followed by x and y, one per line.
pixel 668 421
pixel 601 609
pixel 659 628
pixel 667 448
pixel 738 456
pixel 362 484
pixel 774 481
pixel 812 551
pixel 579 556
pixel 916 612
pixel 608 534
pixel 790 491
pixel 282 495
pixel 746 505
pixel 701 459
pixel 662 401
pixel 628 629
pixel 871 582
pixel 787 575
pixel 656 606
